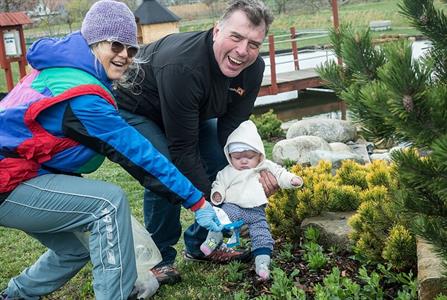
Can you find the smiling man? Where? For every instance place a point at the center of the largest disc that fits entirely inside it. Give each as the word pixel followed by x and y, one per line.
pixel 192 91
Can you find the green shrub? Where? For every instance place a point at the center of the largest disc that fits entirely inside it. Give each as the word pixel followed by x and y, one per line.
pixel 269 126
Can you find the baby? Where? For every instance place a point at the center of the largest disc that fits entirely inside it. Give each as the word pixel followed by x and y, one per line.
pixel 238 190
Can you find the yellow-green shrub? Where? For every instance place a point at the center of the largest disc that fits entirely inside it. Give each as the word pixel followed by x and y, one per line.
pixel 352 173
pixel 368 189
pixel 344 198
pixel 381 174
pixel 400 247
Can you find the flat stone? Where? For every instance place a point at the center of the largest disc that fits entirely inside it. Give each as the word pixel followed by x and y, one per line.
pixel 380 25
pixel 431 280
pixel 333 227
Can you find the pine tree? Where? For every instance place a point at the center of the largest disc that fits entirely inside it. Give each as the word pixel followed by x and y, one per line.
pixel 398 99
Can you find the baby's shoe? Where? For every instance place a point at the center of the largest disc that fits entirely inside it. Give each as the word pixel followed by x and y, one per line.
pixel 262 266
pixel 212 241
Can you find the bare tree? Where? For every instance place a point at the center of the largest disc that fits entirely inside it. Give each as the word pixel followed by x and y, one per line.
pixel 77 9
pixel 16 5
pixel 279 5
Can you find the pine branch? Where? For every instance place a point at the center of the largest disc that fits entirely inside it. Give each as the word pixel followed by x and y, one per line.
pixel 422 178
pixel 427 19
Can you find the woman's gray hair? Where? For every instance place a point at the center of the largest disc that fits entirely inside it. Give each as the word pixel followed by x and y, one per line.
pixel 132 78
pixel 256 11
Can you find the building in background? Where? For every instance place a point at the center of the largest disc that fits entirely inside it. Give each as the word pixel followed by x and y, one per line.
pixel 155 21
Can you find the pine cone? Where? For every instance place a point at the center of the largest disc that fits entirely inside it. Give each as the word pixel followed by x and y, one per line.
pixel 408 104
pixel 423 19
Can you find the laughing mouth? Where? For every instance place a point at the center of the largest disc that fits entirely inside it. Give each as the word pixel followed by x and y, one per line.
pixel 234 61
pixel 118 64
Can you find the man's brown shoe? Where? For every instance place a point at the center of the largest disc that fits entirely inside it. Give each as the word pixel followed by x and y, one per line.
pixel 166 274
pixel 221 255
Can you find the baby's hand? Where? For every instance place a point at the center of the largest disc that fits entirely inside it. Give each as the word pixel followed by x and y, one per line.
pixel 297 181
pixel 217 197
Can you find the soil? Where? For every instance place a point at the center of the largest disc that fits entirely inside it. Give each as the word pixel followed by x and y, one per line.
pixel 307 279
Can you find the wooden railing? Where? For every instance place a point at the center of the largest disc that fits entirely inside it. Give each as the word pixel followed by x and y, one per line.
pixel 294 80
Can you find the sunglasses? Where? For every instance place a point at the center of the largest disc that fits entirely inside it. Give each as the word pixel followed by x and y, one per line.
pixel 117 47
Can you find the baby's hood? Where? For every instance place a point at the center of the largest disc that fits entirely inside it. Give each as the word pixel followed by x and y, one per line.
pixel 246 133
pixel 71 51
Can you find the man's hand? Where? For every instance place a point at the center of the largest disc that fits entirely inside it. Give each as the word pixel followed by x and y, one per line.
pixel 269 183
pixel 206 217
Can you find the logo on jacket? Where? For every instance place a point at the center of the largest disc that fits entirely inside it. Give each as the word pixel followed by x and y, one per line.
pixel 240 91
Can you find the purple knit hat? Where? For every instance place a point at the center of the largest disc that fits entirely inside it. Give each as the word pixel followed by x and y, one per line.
pixel 110 20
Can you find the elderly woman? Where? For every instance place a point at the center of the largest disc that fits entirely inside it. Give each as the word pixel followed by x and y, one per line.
pixel 61 121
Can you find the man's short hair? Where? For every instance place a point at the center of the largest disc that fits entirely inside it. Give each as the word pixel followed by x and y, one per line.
pixel 256 11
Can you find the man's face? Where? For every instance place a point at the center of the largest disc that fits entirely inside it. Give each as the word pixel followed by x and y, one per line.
pixel 236 43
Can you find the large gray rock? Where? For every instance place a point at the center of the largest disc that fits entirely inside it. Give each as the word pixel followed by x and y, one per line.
pixel 297 149
pixel 431 280
pixel 336 158
pixel 339 147
pixel 331 130
pixel 360 150
pixel 333 227
pixel 381 156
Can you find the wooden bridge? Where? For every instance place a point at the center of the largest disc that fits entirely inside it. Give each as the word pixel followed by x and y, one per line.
pixel 294 80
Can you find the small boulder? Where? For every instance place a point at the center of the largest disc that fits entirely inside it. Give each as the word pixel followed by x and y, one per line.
pixel 297 149
pixel 336 158
pixel 331 130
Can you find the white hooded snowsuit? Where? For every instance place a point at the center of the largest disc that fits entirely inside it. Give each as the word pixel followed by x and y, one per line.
pixel 243 197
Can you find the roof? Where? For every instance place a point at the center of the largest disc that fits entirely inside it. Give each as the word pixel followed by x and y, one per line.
pixel 152 12
pixel 14 18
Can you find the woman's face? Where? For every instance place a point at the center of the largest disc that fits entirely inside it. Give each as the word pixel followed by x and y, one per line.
pixel 115 58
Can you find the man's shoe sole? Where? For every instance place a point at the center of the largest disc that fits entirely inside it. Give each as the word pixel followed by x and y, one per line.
pixel 170 280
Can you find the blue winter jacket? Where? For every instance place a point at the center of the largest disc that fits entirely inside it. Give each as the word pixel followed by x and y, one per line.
pixel 91 122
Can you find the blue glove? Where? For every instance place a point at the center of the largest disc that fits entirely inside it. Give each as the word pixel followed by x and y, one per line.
pixel 206 217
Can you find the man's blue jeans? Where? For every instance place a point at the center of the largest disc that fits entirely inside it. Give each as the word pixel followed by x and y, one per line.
pixel 161 218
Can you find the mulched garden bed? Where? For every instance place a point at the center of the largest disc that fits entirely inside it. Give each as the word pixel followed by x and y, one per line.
pixel 307 279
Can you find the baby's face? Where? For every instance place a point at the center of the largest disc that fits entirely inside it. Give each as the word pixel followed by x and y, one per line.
pixel 245 160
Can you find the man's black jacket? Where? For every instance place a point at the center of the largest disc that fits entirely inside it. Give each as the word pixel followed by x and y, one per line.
pixel 183 86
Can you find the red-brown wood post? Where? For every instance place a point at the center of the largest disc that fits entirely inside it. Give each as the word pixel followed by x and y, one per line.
pixel 8 75
pixel 6 65
pixel 343 109
pixel 336 23
pixel 294 48
pixel 22 61
pixel 13 21
pixel 273 84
